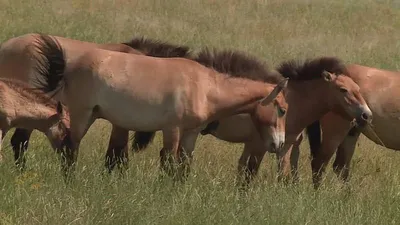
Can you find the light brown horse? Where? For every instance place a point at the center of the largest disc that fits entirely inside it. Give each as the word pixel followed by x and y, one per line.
pixel 16 63
pixel 380 90
pixel 143 93
pixel 24 107
pixel 237 64
pixel 315 87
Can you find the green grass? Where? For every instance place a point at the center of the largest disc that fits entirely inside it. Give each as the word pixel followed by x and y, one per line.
pixel 358 31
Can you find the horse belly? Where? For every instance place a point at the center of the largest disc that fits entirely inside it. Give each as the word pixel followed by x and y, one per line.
pixel 386 132
pixel 133 114
pixel 236 129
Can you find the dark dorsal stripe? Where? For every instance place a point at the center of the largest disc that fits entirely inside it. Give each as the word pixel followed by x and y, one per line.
pixel 157 48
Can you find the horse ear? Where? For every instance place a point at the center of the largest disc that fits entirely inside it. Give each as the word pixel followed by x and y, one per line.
pixel 59 108
pixel 278 88
pixel 327 76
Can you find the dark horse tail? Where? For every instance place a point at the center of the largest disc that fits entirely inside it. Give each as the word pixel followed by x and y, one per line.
pixel 50 65
pixel 155 48
pixel 314 137
pixel 141 140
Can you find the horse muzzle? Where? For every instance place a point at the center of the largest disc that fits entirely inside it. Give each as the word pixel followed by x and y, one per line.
pixel 365 117
pixel 275 147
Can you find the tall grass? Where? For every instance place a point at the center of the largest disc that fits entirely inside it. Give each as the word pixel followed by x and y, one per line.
pixel 358 31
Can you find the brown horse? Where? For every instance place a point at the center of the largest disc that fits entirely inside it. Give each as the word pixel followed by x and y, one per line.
pixel 313 91
pixel 379 88
pixel 143 93
pixel 24 107
pixel 17 51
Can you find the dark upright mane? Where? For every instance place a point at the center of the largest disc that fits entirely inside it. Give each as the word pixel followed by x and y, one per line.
pixel 157 48
pixel 237 64
pixel 311 68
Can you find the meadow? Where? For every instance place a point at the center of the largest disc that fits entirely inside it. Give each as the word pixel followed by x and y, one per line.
pixel 357 31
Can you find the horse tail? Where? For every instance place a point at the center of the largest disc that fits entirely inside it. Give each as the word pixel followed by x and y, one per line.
pixel 50 64
pixel 314 137
pixel 141 140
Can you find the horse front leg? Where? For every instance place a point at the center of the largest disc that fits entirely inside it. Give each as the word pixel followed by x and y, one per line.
pixel 3 133
pixel 19 143
pixel 344 154
pixel 170 153
pixel 294 159
pixel 187 146
pixel 117 152
pixel 250 161
pixel 80 123
pixel 284 158
pixel 334 130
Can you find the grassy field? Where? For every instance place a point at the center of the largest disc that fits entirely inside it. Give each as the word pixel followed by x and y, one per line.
pixel 358 31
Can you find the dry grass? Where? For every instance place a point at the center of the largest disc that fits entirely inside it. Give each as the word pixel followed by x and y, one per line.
pixel 359 31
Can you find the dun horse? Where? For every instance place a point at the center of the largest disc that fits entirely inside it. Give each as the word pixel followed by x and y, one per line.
pixel 380 90
pixel 238 64
pixel 24 107
pixel 143 93
pixel 315 87
pixel 16 63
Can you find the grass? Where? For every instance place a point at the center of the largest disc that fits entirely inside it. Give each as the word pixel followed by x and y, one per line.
pixel 358 31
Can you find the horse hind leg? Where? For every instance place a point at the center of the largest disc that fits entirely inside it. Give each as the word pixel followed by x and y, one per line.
pixel 20 143
pixel 117 152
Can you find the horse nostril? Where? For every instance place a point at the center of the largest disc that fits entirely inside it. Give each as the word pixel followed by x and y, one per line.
pixel 364 116
pixel 281 145
pixel 272 147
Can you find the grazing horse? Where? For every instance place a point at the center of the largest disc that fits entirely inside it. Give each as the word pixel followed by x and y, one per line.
pixel 24 107
pixel 315 87
pixel 18 50
pixel 379 88
pixel 137 92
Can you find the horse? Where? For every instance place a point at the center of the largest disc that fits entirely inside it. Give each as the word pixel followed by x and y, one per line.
pixel 379 88
pixel 143 93
pixel 17 51
pixel 24 107
pixel 236 64
pixel 316 86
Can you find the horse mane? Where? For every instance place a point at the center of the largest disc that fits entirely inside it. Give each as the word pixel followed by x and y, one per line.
pixel 310 69
pixel 156 48
pixel 237 64
pixel 29 93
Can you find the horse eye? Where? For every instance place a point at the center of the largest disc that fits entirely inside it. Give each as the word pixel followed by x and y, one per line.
pixel 343 90
pixel 281 111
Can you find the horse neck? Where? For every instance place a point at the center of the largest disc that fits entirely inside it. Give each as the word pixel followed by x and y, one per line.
pixel 307 101
pixel 34 116
pixel 231 96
